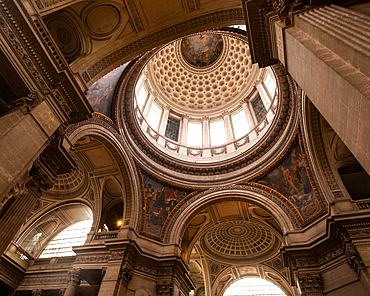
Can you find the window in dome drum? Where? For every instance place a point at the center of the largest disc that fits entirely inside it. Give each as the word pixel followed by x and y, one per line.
pixel 259 108
pixel 172 129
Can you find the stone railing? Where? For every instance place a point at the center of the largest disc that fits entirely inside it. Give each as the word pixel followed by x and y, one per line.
pixel 106 235
pixel 210 154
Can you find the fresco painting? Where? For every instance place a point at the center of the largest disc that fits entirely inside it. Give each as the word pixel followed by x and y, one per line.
pixel 160 200
pixel 202 50
pixel 100 94
pixel 290 179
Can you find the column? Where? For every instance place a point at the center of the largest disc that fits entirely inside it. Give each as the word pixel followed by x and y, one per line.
pixel 74 281
pixel 252 122
pixel 205 126
pixel 184 130
pixel 162 127
pixel 148 106
pixel 263 94
pixel 228 130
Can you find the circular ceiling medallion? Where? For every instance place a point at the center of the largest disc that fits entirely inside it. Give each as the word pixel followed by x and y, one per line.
pixel 202 50
pixel 64 36
pixel 102 19
pixel 238 239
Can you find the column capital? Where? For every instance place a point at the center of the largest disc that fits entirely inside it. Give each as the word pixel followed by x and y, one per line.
pixel 311 283
pixel 185 117
pixel 164 288
pixel 225 113
pixel 205 118
pixel 75 276
pixel 257 82
pixel 37 292
pixel 126 274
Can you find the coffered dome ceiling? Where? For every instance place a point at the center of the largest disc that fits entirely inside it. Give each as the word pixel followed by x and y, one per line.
pixel 203 74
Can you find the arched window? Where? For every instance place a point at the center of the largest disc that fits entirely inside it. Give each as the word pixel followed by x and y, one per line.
pixel 61 245
pixel 253 287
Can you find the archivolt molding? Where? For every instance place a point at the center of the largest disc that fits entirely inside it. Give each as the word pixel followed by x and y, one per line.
pixel 279 210
pixel 233 170
pixel 109 136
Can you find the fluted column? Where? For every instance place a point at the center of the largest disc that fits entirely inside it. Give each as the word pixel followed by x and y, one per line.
pixel 184 130
pixel 252 122
pixel 205 126
pixel 74 282
pixel 228 130
pixel 162 128
pixel 263 94
pixel 148 106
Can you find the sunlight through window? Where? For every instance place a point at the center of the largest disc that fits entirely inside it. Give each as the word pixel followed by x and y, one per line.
pixel 61 245
pixel 253 287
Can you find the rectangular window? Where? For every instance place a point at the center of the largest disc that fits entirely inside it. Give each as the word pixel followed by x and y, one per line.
pixel 218 133
pixel 194 138
pixel 154 117
pixel 240 124
pixel 172 128
pixel 141 98
pixel 270 85
pixel 258 108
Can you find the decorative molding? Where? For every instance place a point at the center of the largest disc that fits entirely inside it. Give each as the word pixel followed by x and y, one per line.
pixel 132 9
pixel 44 280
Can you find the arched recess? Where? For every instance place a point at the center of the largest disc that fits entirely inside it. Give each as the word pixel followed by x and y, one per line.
pixel 112 204
pixel 113 145
pixel 49 223
pixel 272 204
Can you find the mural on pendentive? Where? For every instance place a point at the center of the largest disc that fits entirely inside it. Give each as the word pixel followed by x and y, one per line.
pixel 100 94
pixel 291 179
pixel 160 200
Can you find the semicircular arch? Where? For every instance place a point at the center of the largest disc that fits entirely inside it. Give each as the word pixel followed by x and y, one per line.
pixel 275 206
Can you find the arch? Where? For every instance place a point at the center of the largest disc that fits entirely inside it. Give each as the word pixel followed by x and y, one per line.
pixel 110 137
pixel 272 204
pixel 51 222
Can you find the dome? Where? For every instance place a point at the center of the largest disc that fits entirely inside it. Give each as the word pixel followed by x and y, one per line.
pixel 201 98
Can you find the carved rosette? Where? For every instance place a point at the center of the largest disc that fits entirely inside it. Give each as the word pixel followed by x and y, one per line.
pixel 311 283
pixel 164 288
